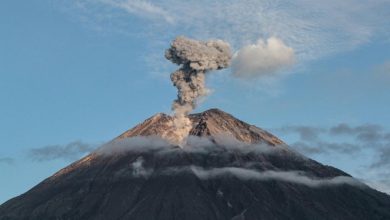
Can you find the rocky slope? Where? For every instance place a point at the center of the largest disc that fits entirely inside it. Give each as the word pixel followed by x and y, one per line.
pixel 256 176
pixel 211 123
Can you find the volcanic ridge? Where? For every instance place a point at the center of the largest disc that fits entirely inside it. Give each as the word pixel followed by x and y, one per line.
pixel 228 169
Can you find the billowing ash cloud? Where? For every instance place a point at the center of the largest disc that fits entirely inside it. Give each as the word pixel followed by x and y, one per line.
pixel 195 58
pixel 263 59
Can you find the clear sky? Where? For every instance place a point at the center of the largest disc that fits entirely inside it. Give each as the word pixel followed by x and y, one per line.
pixel 76 73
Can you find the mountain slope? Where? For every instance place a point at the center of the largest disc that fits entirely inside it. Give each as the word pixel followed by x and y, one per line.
pixel 210 123
pixel 236 171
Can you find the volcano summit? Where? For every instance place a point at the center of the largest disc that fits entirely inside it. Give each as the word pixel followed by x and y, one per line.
pixel 227 170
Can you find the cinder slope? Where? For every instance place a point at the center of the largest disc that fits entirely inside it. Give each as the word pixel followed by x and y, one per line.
pixel 210 123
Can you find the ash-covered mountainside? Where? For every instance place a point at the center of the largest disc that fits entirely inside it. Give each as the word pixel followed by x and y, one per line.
pixel 212 124
pixel 227 170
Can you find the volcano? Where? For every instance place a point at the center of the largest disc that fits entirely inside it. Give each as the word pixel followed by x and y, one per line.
pixel 228 170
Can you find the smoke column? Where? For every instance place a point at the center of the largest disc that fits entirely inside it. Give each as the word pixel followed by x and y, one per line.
pixel 195 58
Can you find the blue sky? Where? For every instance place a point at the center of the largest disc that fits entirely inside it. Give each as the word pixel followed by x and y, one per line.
pixel 84 70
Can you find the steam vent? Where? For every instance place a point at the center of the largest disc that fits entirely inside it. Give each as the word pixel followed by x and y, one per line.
pixel 227 169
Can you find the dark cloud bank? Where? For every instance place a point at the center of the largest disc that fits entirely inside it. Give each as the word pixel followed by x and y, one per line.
pixel 341 138
pixel 348 140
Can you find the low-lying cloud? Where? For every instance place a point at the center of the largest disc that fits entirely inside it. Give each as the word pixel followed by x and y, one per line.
pixel 297 177
pixel 263 59
pixel 194 144
pixel 365 140
pixel 383 159
pixel 292 176
pixel 7 160
pixel 325 147
pixel 139 169
pixel 138 143
pixel 349 138
pixel 366 132
pixel 70 152
pixel 307 133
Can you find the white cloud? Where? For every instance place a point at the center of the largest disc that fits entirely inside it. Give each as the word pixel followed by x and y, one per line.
pixel 313 28
pixel 297 177
pixel 138 168
pixel 204 145
pixel 292 176
pixel 263 59
pixel 195 144
pixel 141 8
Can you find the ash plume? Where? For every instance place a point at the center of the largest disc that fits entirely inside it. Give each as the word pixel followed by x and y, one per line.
pixel 195 58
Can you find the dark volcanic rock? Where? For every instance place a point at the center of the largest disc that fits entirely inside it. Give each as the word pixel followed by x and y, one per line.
pixel 161 184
